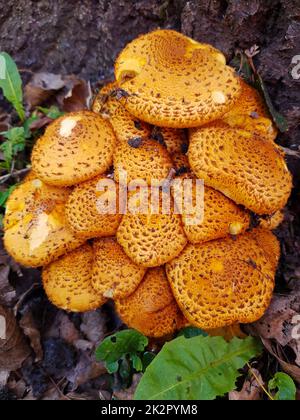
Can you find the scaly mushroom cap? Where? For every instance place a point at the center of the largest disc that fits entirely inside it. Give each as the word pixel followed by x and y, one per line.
pixel 174 81
pixel 36 231
pixel 250 113
pixel 180 162
pixel 85 214
pixel 151 309
pixel 222 282
pixel 175 140
pixel 154 238
pixel 125 125
pixel 213 217
pixel 272 222
pixel 149 161
pixel 74 148
pixel 115 276
pixel 67 282
pixel 248 169
pixel 269 243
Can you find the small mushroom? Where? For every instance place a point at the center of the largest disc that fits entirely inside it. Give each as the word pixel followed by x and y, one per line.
pixel 115 276
pixel 222 282
pixel 125 125
pixel 248 169
pixel 87 216
pixel 74 148
pixel 149 162
pixel 153 238
pixel 35 226
pixel 67 282
pixel 151 309
pixel 250 113
pixel 213 217
pixel 173 81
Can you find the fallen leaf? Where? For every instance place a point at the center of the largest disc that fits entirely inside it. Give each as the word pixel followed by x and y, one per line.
pixel 13 346
pixel 86 369
pixel 41 87
pixel 76 95
pixel 128 394
pixel 62 327
pixel 251 389
pixel 30 329
pixel 93 326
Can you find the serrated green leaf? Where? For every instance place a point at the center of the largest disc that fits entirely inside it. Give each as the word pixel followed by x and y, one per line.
pixel 113 348
pixel 285 386
pixel 15 143
pixel 11 83
pixel 190 332
pixel 279 119
pixel 198 368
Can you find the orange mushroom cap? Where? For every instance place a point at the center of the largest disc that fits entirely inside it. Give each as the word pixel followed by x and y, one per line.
pixel 74 148
pixel 248 169
pixel 84 211
pixel 36 231
pixel 151 309
pixel 153 238
pixel 222 282
pixel 115 276
pixel 174 81
pixel 67 282
pixel 125 125
pixel 250 113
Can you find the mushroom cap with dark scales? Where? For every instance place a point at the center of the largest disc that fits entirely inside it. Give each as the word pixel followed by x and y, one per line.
pixel 153 238
pixel 174 81
pixel 273 221
pixel 248 169
pixel 269 243
pixel 175 140
pixel 85 214
pixel 115 276
pixel 149 161
pixel 125 125
pixel 151 309
pixel 74 148
pixel 222 282
pixel 67 282
pixel 35 226
pixel 250 113
pixel 213 217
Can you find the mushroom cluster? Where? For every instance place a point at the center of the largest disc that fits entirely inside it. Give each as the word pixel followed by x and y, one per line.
pixel 174 111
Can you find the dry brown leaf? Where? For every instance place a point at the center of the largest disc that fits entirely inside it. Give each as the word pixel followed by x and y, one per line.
pixel 251 389
pixel 30 329
pixel 13 346
pixel 86 369
pixel 128 394
pixel 93 326
pixel 41 88
pixel 76 95
pixel 64 328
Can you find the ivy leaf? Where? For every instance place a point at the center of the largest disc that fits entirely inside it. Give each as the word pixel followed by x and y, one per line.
pixel 198 368
pixel 285 386
pixel 11 83
pixel 115 347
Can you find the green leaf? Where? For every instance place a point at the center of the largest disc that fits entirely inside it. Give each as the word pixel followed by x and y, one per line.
pixel 11 83
pixel 4 195
pixel 113 348
pixel 112 367
pixel 198 368
pixel 136 362
pixel 190 332
pixel 53 112
pixel 148 357
pixel 15 143
pixel 27 125
pixel 285 386
pixel 279 119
